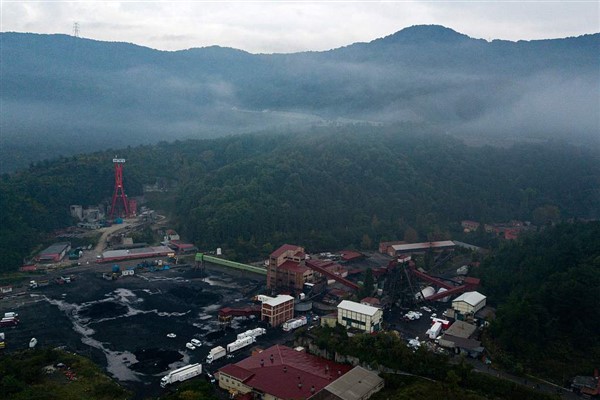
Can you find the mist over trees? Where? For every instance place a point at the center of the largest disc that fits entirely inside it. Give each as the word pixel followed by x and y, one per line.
pixel 328 188
pixel 63 95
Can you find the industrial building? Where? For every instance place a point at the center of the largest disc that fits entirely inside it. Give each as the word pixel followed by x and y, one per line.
pixel 357 384
pixel 277 310
pixel 469 303
pixel 54 253
pixel 181 247
pixel 286 268
pixel 459 338
pixel 420 248
pixel 132 254
pixel 360 316
pixel 280 372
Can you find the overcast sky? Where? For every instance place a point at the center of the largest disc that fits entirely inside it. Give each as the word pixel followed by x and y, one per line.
pixel 290 26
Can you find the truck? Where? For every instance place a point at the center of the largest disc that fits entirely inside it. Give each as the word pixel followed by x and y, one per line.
pixel 239 343
pixel 181 374
pixel 252 332
pixel 262 298
pixel 294 323
pixel 435 330
pixel 39 283
pixel 9 322
pixel 215 353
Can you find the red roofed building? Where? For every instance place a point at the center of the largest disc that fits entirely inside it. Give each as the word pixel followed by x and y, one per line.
pixel 371 301
pixel 280 372
pixel 287 270
pixel 181 247
pixel 350 255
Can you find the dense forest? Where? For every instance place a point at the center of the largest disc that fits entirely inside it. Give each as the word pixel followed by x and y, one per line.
pixel 546 287
pixel 324 189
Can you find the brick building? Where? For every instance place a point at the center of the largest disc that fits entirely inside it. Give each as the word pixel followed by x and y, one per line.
pixel 277 310
pixel 287 269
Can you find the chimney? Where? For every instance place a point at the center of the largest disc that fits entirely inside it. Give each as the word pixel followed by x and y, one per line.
pixel 312 389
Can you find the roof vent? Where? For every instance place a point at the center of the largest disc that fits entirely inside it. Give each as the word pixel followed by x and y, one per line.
pixel 299 385
pixel 312 389
pixel 262 362
pixel 284 368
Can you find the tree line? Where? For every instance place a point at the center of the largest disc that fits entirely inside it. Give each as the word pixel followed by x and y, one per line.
pixel 328 188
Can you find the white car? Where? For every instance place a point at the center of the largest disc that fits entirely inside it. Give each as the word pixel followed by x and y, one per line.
pixel 190 346
pixel 196 342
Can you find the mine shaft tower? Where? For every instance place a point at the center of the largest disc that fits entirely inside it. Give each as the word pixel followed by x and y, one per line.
pixel 119 195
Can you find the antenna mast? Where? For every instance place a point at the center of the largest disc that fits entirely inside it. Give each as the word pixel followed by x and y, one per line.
pixel 76 29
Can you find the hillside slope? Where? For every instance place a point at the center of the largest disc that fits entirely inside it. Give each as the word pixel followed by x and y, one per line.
pixel 62 95
pixel 328 188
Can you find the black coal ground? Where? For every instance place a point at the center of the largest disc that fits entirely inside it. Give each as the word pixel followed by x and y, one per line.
pixel 122 325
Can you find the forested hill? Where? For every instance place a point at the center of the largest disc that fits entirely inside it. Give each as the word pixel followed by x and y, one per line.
pixel 329 188
pixel 62 95
pixel 546 287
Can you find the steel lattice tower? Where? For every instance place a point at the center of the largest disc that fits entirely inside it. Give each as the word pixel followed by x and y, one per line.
pixel 119 192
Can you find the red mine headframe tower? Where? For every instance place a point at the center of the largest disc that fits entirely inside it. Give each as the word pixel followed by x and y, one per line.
pixel 119 194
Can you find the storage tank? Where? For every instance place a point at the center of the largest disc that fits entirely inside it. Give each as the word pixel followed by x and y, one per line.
pixel 425 292
pixel 443 299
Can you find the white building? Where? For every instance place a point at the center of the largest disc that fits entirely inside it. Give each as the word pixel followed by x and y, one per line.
pixel 360 316
pixel 469 302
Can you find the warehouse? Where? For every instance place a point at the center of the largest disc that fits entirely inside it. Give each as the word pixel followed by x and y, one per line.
pixel 55 252
pixel 357 384
pixel 132 254
pixel 469 303
pixel 359 316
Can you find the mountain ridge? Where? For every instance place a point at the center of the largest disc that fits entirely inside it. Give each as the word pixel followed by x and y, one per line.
pixel 67 95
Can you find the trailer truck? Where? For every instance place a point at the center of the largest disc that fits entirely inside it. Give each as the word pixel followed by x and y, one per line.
pixel 435 330
pixel 181 374
pixel 238 344
pixel 5 322
pixel 252 332
pixel 292 324
pixel 38 283
pixel 215 353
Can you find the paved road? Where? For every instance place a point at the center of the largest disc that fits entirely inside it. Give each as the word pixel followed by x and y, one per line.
pixel 532 382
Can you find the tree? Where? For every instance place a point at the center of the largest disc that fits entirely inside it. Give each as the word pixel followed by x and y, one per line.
pixel 411 235
pixel 369 281
pixel 366 242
